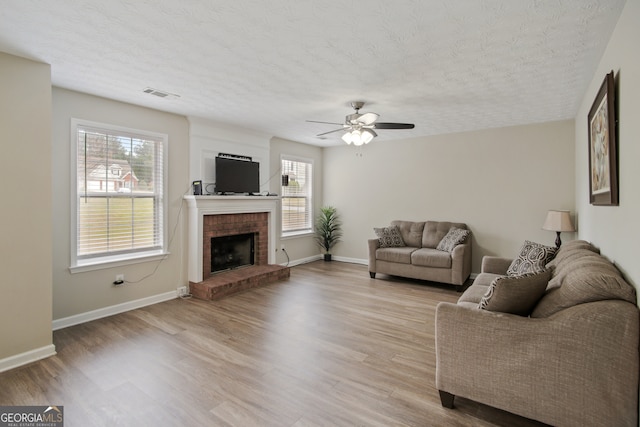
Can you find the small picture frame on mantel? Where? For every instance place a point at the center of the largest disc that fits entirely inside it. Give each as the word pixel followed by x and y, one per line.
pixel 603 158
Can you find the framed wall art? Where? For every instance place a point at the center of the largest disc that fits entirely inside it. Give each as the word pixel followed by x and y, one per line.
pixel 603 159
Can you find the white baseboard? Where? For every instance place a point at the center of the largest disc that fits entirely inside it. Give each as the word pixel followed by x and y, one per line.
pixel 366 262
pixel 30 356
pixel 293 263
pixel 111 310
pixel 350 260
pixel 345 259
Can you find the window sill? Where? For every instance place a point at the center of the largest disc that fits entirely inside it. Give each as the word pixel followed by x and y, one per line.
pixel 117 261
pixel 297 234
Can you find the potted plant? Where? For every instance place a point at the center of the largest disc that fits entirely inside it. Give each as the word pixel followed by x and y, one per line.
pixel 328 230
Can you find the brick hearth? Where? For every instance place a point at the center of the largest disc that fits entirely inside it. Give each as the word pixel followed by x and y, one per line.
pixel 218 285
pixel 229 282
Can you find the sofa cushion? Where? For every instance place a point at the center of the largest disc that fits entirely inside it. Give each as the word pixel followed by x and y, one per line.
pixel 485 279
pixel 473 294
pixel 453 238
pixel 427 257
pixel 577 258
pixel 410 231
pixel 389 237
pixel 587 279
pixel 400 255
pixel 515 294
pixel 532 258
pixel 571 250
pixel 434 231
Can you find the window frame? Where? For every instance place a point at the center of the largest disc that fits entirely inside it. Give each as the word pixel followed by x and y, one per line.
pixel 310 230
pixel 114 260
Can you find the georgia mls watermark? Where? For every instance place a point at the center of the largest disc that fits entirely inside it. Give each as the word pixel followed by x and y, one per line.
pixel 31 416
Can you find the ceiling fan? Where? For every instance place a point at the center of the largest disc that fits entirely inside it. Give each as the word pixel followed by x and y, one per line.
pixel 360 127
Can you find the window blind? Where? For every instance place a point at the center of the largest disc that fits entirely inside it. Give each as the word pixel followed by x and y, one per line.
pixel 296 196
pixel 119 192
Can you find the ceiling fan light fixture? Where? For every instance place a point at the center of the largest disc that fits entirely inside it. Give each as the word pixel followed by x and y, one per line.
pixel 356 137
pixel 368 135
pixel 359 137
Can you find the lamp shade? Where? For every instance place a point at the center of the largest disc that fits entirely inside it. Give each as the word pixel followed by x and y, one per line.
pixel 558 221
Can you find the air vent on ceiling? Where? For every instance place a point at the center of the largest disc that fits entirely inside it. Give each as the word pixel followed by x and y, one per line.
pixel 160 93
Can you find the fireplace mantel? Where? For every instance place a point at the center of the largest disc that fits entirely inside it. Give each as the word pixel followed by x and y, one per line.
pixel 199 206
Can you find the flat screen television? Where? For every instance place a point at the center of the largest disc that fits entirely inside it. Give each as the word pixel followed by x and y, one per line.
pixel 237 176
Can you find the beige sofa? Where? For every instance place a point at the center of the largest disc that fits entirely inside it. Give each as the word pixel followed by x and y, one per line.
pixel 572 362
pixel 417 256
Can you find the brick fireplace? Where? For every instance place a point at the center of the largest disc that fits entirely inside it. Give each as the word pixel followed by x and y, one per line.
pixel 216 216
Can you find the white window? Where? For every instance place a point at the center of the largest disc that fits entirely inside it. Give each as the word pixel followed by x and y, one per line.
pixel 118 204
pixel 297 195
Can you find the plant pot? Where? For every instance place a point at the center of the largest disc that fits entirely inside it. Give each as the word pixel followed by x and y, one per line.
pixel 327 257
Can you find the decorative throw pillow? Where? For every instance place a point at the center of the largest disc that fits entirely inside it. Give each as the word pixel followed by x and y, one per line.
pixel 389 237
pixel 454 237
pixel 533 257
pixel 515 294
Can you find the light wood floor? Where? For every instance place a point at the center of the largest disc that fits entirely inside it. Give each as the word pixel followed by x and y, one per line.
pixel 328 347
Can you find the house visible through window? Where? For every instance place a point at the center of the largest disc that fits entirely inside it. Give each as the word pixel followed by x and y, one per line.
pixel 119 200
pixel 296 193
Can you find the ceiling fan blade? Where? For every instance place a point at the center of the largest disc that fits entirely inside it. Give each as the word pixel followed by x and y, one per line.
pixel 328 123
pixel 331 131
pixel 393 125
pixel 367 118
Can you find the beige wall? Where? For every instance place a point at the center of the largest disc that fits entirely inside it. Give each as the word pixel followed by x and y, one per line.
pixel 25 217
pixel 501 182
pixel 207 139
pixel 300 248
pixel 74 294
pixel 615 229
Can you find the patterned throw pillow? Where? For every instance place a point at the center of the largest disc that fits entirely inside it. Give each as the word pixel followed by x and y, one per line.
pixel 533 257
pixel 515 294
pixel 453 238
pixel 389 237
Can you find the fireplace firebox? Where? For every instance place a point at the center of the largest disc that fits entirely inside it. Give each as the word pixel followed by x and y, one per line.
pixel 230 252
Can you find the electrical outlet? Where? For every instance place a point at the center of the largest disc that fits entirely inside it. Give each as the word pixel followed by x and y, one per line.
pixel 119 279
pixel 182 291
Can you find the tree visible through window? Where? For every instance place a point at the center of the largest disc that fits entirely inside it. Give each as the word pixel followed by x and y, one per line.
pixel 296 195
pixel 119 192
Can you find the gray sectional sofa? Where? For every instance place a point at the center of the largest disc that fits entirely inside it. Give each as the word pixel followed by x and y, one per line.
pixel 422 252
pixel 568 358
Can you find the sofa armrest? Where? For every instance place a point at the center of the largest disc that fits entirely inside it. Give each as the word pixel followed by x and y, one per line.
pixel 461 263
pixel 576 367
pixel 495 265
pixel 373 244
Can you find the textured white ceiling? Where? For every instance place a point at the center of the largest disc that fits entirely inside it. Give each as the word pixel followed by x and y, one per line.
pixel 445 65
